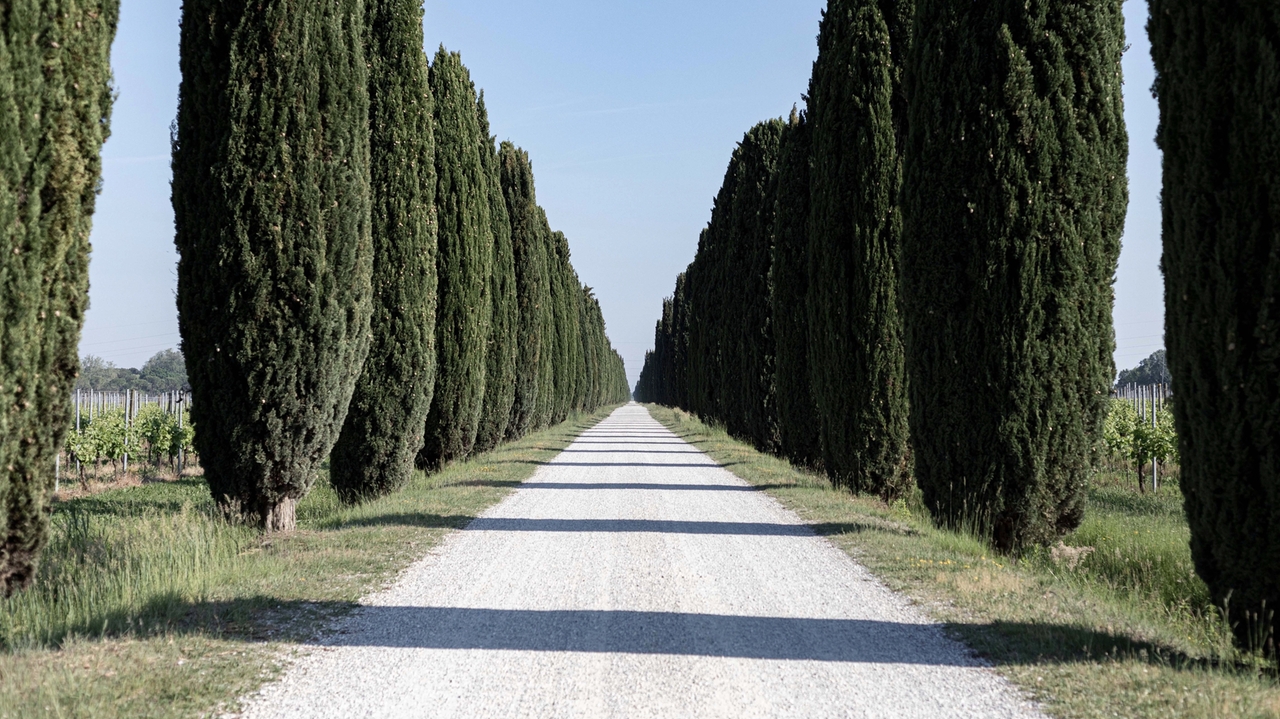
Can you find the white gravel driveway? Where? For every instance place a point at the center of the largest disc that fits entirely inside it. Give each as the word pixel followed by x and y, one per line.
pixel 633 577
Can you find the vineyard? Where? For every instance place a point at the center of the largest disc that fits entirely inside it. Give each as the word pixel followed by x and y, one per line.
pixel 1138 433
pixel 113 428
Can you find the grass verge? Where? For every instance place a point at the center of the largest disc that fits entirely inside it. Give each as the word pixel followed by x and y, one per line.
pixel 147 605
pixel 1123 630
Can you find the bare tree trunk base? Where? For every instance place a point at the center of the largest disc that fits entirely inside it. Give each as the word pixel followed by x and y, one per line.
pixel 280 517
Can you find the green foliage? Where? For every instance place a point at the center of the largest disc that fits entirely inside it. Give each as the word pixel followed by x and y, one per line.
pixel 154 433
pixel 1117 428
pixel 156 428
pixel 1127 436
pixel 856 361
pixel 544 407
pixel 798 439
pixel 105 437
pixel 531 284
pixel 55 106
pixel 1152 370
pixel 383 430
pixel 751 407
pixel 500 373
pixel 1218 85
pixel 1014 200
pixel 729 360
pixel 464 264
pixel 166 371
pixel 272 213
pixel 565 320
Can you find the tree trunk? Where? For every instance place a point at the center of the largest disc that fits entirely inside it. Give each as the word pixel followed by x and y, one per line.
pixel 281 516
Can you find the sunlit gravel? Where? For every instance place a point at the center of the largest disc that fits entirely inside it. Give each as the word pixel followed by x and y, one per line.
pixel 633 577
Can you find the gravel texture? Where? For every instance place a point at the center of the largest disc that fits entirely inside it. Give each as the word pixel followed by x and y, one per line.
pixel 633 577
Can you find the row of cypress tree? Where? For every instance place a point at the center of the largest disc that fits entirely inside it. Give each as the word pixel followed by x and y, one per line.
pixel 946 223
pixel 364 275
pixel 55 107
pixel 910 282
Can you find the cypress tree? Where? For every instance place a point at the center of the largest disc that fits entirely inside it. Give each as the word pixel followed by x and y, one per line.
pixel 500 375
pixel 756 410
pixel 544 408
pixel 729 361
pixel 663 377
pixel 566 327
pixel 578 358
pixel 55 104
pixel 582 383
pixel 271 206
pixel 677 384
pixel 1014 198
pixel 604 358
pixel 856 353
pixel 650 387
pixel 1218 85
pixel 592 342
pixel 464 264
pixel 646 386
pixel 704 360
pixel 516 176
pixel 664 354
pixel 383 431
pixel 789 283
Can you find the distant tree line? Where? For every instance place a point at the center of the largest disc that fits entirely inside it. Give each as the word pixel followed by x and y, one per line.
pixel 909 284
pixel 1152 370
pixel 164 372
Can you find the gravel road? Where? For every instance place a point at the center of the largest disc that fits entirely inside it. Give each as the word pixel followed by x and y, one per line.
pixel 633 577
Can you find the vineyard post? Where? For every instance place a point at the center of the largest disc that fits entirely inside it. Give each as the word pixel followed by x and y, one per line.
pixel 126 399
pixel 1155 462
pixel 181 457
pixel 78 470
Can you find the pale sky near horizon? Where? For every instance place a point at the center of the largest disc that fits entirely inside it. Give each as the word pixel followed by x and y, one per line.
pixel 629 111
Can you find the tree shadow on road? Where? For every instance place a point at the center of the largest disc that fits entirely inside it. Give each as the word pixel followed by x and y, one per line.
pixel 265 618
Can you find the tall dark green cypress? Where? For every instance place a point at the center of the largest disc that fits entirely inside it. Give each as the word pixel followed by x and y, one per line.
pixel 592 340
pixel 563 286
pixel 271 205
pixel 750 397
pixel 544 407
pixel 582 383
pixel 500 375
pixel 789 284
pixel 705 351
pixel 714 346
pixel 1218 85
pixel 677 384
pixel 516 175
pixel 55 104
pixel 856 352
pixel 383 431
pixel 465 260
pixel 1014 198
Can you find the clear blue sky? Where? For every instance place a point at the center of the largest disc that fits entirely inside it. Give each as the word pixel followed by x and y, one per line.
pixel 629 111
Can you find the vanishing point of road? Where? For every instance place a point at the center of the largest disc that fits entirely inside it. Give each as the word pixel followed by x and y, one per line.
pixel 633 577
